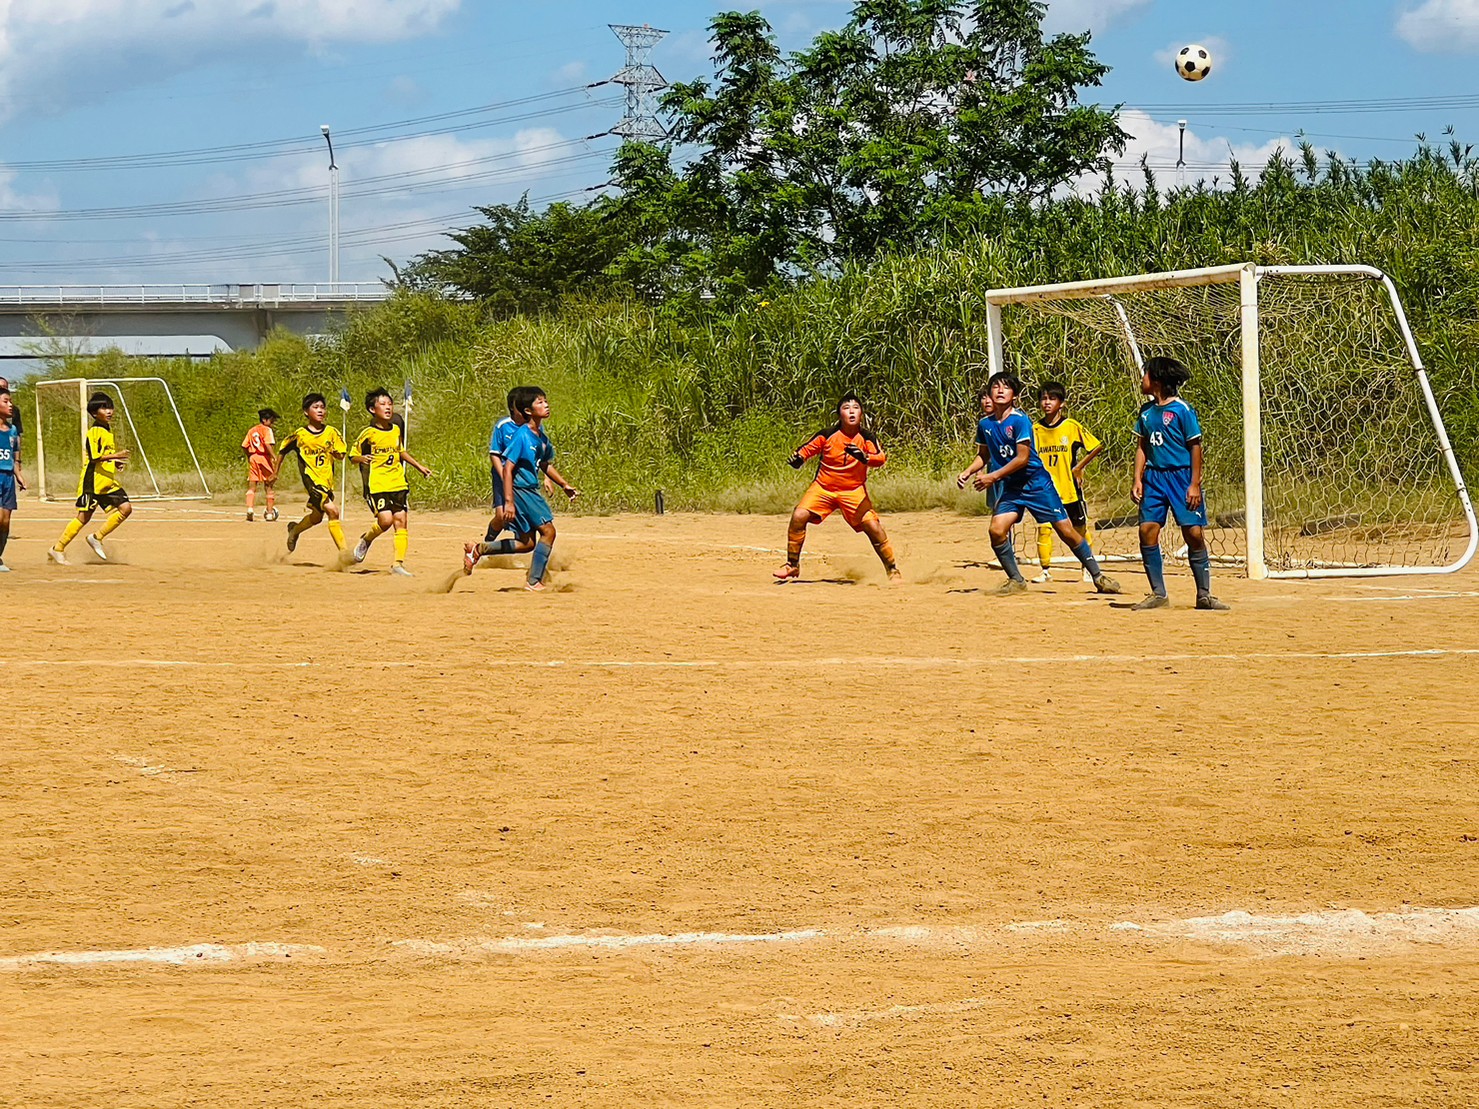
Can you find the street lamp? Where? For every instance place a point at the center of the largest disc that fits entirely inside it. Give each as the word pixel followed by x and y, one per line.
pixel 1180 154
pixel 333 210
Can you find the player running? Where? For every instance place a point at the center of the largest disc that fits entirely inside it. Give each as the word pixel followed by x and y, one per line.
pixel 11 477
pixel 98 486
pixel 1168 476
pixel 380 450
pixel 498 441
pixel 317 445
pixel 845 453
pixel 1066 448
pixel 1004 439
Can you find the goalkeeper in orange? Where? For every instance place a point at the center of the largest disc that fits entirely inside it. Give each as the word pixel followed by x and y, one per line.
pixel 845 454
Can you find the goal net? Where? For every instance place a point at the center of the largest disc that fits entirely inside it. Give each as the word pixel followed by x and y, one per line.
pixel 1325 448
pixel 162 466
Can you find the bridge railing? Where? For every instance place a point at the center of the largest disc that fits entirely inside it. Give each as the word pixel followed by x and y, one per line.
pixel 226 295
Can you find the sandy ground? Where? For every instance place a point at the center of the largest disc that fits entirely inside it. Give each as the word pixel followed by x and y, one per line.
pixel 276 835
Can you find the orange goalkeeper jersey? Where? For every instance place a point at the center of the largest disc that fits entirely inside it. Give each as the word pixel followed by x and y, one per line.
pixel 839 471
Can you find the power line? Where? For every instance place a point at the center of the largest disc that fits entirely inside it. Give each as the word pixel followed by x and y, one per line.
pixel 1332 107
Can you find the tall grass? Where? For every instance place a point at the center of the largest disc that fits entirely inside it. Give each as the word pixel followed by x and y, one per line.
pixel 708 407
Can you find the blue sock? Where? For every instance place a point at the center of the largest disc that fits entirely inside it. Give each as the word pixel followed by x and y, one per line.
pixel 540 562
pixel 492 533
pixel 1085 554
pixel 1155 569
pixel 1201 570
pixel 1008 559
pixel 502 547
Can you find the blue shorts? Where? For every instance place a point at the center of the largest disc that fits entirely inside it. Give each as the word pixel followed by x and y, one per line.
pixel 7 490
pixel 531 511
pixel 1036 495
pixel 1166 489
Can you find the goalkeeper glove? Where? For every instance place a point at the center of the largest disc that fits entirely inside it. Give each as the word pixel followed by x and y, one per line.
pixel 795 461
pixel 856 452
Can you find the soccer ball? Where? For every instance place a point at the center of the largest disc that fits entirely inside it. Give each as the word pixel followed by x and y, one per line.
pixel 1193 62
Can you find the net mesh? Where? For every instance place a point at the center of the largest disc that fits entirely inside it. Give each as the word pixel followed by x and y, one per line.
pixel 144 423
pixel 1353 472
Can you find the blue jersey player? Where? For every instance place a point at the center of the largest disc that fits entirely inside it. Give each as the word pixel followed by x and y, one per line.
pixel 528 456
pixel 11 477
pixel 1168 477
pixel 498 440
pixel 1020 483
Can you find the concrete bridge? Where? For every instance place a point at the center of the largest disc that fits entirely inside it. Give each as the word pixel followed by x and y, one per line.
pixel 169 320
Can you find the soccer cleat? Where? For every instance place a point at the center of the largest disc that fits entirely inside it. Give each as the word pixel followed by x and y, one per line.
pixel 1106 584
pixel 1045 576
pixel 787 572
pixel 250 517
pixel 270 515
pixel 534 587
pixel 4 569
pixel 1011 587
pixel 894 576
pixel 470 557
pixel 361 549
pixel 97 547
pixel 1152 600
pixel 292 538
pixel 1208 603
pixel 59 557
pixel 400 571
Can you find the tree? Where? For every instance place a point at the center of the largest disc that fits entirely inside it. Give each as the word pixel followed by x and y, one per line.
pixel 523 261
pixel 881 135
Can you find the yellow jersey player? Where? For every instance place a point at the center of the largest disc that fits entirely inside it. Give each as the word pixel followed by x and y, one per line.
pixel 98 487
pixel 1066 448
pixel 380 450
pixel 316 445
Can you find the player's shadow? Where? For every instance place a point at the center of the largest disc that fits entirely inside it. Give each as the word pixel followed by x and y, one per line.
pixel 973 565
pixel 817 581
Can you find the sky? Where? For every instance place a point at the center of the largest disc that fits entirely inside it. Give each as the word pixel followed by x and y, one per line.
pixel 175 141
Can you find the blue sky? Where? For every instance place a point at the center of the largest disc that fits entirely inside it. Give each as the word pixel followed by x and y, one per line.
pixel 407 87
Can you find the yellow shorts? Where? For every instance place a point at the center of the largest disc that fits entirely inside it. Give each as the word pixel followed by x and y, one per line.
pixel 854 504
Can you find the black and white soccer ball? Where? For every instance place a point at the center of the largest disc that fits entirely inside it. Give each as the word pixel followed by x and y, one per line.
pixel 1193 62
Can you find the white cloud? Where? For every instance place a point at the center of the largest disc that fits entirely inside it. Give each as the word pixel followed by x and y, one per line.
pixel 1090 15
pixel 48 48
pixel 1206 157
pixel 1441 26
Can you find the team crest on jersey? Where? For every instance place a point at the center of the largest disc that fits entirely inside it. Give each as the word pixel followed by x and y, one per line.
pixel 1168 418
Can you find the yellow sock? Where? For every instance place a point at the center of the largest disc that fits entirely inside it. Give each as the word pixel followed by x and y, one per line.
pixel 69 533
pixel 375 532
pixel 402 543
pixel 1089 532
pixel 110 524
pixel 1044 545
pixel 337 533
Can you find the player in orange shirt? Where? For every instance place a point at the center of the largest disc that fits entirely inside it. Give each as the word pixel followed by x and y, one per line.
pixel 846 453
pixel 260 447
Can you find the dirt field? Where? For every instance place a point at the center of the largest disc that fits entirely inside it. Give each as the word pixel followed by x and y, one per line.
pixel 671 835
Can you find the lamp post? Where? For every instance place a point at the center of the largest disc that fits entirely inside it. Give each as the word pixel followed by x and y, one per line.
pixel 333 210
pixel 1181 154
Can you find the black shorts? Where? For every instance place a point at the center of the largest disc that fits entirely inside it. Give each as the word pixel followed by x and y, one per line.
pixel 87 502
pixel 387 502
pixel 1076 515
pixel 318 496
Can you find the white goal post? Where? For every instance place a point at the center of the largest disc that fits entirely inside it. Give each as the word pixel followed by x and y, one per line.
pixel 151 428
pixel 1326 450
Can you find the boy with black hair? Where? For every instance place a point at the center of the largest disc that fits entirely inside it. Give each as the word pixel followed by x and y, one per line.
pixel 98 486
pixel 1004 440
pixel 260 447
pixel 317 445
pixel 498 441
pixel 529 455
pixel 1168 477
pixel 11 477
pixel 379 450
pixel 845 454
pixel 1066 448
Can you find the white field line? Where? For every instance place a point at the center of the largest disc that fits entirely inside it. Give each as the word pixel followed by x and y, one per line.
pixel 190 664
pixel 1332 933
pixel 199 954
pixel 1426 595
